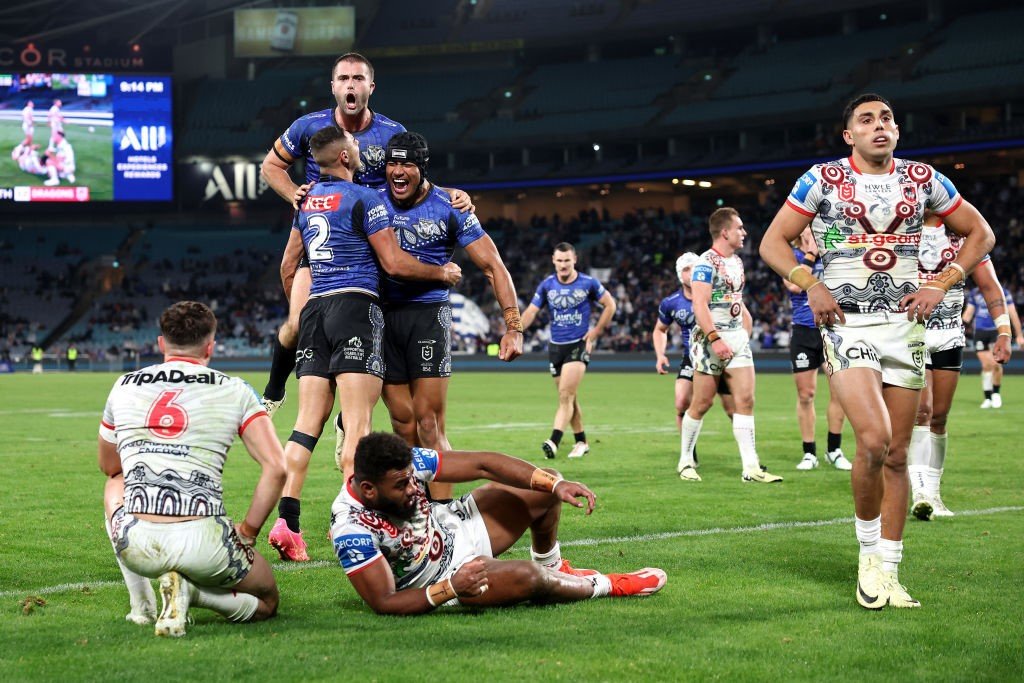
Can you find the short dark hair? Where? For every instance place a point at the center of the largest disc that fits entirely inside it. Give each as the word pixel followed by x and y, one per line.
pixel 719 220
pixel 565 246
pixel 324 138
pixel 859 100
pixel 352 57
pixel 378 453
pixel 187 324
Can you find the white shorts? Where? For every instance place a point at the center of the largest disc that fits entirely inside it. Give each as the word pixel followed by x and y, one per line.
pixel 885 342
pixel 207 551
pixel 944 340
pixel 462 517
pixel 27 128
pixel 707 361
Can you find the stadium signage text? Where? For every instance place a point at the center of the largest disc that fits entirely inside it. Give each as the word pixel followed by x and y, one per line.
pixel 245 183
pixel 33 57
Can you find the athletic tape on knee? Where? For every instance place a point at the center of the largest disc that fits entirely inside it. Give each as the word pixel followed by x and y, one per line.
pixel 305 440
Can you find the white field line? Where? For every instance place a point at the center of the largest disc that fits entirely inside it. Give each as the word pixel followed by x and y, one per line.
pixel 641 538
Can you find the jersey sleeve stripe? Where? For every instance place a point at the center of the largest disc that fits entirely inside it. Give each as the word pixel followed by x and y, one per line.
pixel 440 462
pixel 799 209
pixel 105 425
pixel 261 413
pixel 956 205
pixel 378 556
pixel 282 153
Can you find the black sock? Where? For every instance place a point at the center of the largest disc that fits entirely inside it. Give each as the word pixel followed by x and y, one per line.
pixel 580 436
pixel 340 425
pixel 834 441
pixel 281 365
pixel 988 394
pixel 995 388
pixel 810 447
pixel 556 436
pixel 288 510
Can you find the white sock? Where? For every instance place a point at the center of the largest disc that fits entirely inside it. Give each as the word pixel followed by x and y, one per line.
pixel 869 531
pixel 892 553
pixel 933 481
pixel 52 171
pixel 690 432
pixel 140 590
pixel 232 605
pixel 986 381
pixel 551 559
pixel 602 585
pixel 938 450
pixel 743 432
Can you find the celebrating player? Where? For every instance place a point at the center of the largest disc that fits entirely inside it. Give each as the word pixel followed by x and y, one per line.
pixel 806 356
pixel 407 555
pixel 987 328
pixel 568 294
pixel 344 228
pixel 866 214
pixel 417 315
pixel 944 345
pixel 60 160
pixel 164 437
pixel 721 346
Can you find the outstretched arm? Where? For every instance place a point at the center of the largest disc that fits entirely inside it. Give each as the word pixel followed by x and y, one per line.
pixel 376 586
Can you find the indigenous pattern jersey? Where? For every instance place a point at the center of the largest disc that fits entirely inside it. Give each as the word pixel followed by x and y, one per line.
pixel 570 305
pixel 938 249
pixel 677 308
pixel 802 314
pixel 868 227
pixel 336 220
pixel 725 275
pixel 417 549
pixel 173 424
pixel 429 231
pixel 982 316
pixel 373 141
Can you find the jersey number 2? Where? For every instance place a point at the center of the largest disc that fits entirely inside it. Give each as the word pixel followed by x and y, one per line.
pixel 316 245
pixel 167 419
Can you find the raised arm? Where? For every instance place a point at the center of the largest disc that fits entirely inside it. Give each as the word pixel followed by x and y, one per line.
pixel 275 170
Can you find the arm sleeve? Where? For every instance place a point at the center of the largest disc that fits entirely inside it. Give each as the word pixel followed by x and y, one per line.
pixel 540 298
pixel 426 463
pixel 806 194
pixel 664 314
pixel 356 548
pixel 468 228
pixel 375 218
pixel 251 406
pixel 943 198
pixel 107 424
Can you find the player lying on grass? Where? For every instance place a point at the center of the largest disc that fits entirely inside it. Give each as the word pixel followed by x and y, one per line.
pixel 407 555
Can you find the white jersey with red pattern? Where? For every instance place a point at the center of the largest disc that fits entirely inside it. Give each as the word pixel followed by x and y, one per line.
pixel 868 227
pixel 726 276
pixel 939 248
pixel 173 424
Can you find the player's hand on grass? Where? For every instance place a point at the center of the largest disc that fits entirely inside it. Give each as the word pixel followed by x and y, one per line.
pixel 823 305
pixel 452 273
pixel 662 365
pixel 570 491
pixel 471 579
pixel 300 193
pixel 920 304
pixel 511 346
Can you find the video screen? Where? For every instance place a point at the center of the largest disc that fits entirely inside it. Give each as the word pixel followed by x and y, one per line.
pixel 85 138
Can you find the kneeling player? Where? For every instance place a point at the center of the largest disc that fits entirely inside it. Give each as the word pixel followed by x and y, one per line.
pixel 405 554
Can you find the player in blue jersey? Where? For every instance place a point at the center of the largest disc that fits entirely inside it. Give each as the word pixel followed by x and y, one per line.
pixel 806 355
pixel 417 315
pixel 346 233
pixel 678 308
pixel 985 336
pixel 568 295
pixel 351 84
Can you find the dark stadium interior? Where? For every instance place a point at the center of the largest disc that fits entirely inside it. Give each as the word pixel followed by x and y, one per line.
pixel 617 125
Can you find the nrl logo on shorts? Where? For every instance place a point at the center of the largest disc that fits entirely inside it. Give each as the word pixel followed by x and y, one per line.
pixel 373 156
pixel 427 351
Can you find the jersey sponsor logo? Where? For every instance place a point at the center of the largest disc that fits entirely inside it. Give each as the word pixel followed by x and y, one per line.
pixel 353 349
pixel 802 361
pixel 703 273
pixel 425 460
pixel 172 377
pixel 803 186
pixel 378 212
pixel 947 184
pixel 354 549
pixel 861 353
pixel 566 298
pixel 325 202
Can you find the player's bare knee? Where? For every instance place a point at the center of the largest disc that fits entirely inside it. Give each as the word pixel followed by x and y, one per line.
pixel 806 397
pixel 875 445
pixel 924 414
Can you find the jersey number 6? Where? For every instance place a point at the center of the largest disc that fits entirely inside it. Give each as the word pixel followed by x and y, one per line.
pixel 167 419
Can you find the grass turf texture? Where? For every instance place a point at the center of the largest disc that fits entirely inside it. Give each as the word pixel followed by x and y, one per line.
pixel 742 603
pixel 94 157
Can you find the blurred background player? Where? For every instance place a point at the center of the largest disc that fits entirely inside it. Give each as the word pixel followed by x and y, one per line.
pixel 986 332
pixel 721 345
pixel 55 117
pixel 345 230
pixel 805 357
pixel 28 124
pixel 872 310
pixel 163 441
pixel 678 308
pixel 60 160
pixel 944 344
pixel 405 554
pixel 417 315
pixel 568 294
pixel 28 160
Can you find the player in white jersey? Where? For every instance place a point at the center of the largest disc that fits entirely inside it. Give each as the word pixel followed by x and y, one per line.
pixel 406 554
pixel 28 124
pixel 55 118
pixel 164 437
pixel 27 158
pixel 60 160
pixel 720 345
pixel 944 344
pixel 866 213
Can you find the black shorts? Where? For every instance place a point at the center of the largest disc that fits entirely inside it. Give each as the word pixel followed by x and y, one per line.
pixel 984 340
pixel 686 373
pixel 303 260
pixel 560 354
pixel 340 333
pixel 950 359
pixel 418 341
pixel 805 350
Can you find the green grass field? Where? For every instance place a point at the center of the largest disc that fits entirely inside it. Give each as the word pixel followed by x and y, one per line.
pixel 94 157
pixel 761 578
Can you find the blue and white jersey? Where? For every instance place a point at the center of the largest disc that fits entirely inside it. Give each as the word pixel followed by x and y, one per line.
pixel 982 316
pixel 676 308
pixel 336 220
pixel 570 305
pixel 417 548
pixel 726 277
pixel 373 141
pixel 802 314
pixel 430 231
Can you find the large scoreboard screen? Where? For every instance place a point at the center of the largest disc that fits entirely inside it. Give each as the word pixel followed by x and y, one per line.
pixel 85 137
